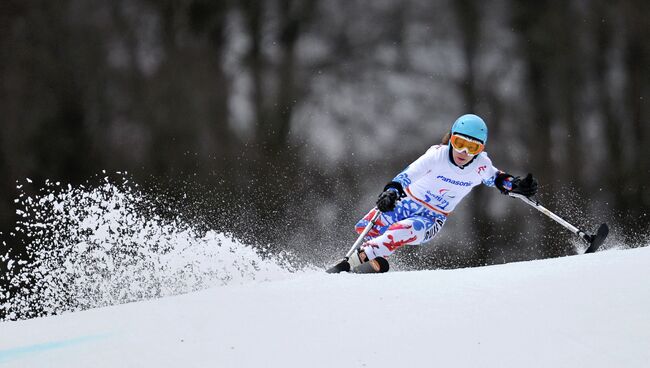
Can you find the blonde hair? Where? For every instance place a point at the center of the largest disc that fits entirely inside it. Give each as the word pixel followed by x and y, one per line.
pixel 446 138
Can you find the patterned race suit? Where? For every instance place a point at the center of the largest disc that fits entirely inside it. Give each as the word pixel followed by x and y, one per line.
pixel 433 186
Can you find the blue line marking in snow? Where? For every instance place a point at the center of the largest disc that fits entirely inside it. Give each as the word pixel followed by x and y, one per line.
pixel 11 354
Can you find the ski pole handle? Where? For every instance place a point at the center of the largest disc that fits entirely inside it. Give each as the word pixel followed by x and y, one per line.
pixel 364 233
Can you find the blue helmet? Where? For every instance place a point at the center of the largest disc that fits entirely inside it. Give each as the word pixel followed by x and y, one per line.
pixel 471 126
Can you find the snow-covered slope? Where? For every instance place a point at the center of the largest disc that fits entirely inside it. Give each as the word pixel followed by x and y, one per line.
pixel 583 311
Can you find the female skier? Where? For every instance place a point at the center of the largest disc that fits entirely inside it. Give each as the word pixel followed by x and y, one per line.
pixel 415 205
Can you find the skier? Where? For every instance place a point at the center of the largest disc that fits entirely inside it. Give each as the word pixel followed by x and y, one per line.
pixel 415 204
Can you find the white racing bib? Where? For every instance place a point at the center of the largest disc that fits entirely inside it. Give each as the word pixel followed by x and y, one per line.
pixel 434 181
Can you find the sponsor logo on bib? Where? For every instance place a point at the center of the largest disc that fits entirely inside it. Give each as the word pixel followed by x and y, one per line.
pixel 455 182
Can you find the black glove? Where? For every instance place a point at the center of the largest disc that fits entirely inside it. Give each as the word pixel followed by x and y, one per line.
pixel 526 186
pixel 507 183
pixel 393 191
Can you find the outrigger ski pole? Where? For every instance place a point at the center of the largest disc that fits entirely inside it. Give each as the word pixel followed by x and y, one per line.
pixel 344 266
pixel 594 241
pixel 363 234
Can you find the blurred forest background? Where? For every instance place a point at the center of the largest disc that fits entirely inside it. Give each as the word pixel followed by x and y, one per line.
pixel 281 120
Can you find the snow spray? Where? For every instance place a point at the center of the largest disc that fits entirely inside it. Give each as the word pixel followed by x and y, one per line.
pixel 102 244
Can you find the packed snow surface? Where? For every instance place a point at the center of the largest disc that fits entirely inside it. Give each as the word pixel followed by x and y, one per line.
pixel 580 311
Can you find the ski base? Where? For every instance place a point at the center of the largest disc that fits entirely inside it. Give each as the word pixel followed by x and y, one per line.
pixel 598 239
pixel 377 265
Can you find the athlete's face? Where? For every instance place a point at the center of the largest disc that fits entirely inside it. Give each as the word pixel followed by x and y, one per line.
pixel 460 158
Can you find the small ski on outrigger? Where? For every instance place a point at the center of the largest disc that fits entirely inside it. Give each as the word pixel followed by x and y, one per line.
pixel 594 241
pixel 377 265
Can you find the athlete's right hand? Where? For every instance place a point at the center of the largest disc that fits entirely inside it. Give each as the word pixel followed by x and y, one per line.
pixel 387 200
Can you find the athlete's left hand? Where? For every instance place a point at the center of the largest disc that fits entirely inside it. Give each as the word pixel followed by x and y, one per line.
pixel 507 183
pixel 526 186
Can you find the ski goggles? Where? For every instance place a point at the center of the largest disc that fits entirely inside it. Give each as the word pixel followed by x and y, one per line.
pixel 470 146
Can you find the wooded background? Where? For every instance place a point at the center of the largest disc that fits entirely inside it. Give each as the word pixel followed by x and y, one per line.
pixel 281 120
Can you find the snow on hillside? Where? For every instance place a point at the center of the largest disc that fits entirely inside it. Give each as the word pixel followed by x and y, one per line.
pixel 581 311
